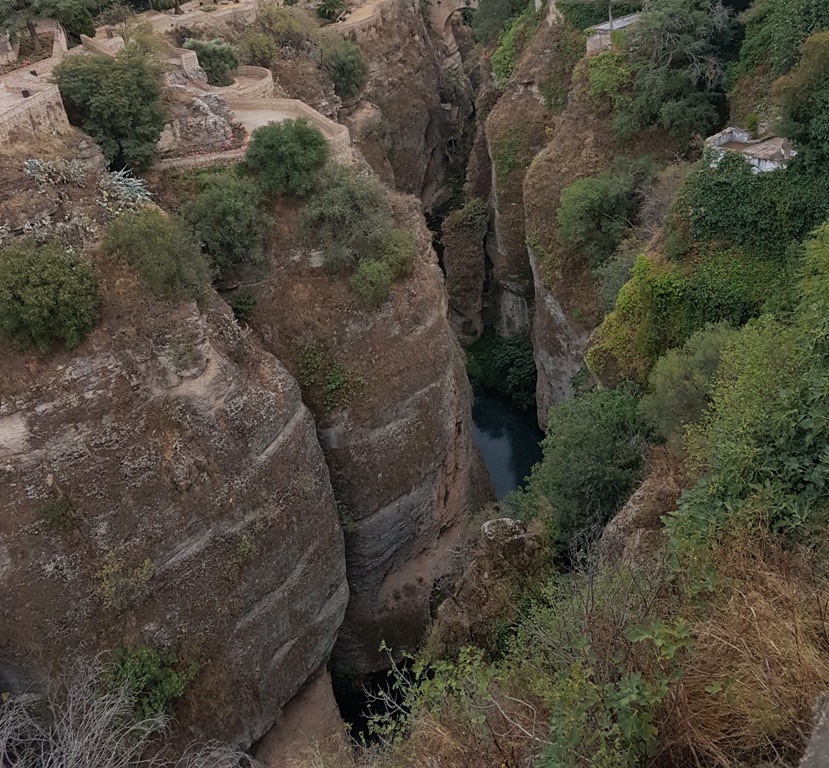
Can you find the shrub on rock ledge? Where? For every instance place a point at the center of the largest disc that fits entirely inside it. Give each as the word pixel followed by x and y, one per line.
pixel 287 156
pixel 216 57
pixel 48 295
pixel 163 249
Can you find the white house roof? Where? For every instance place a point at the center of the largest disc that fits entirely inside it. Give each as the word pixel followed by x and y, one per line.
pixel 620 23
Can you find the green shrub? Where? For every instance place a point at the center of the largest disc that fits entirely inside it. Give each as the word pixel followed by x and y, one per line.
pixel 592 460
pixel 117 101
pixel 325 382
pixel 243 305
pixel 345 64
pixel 349 217
pixel 255 48
pixel 164 250
pixel 512 42
pixel 616 271
pixel 58 512
pixel 505 366
pixel 151 677
pixel 681 382
pixel 226 218
pixel 490 17
pixel 286 27
pixel 596 212
pixel 287 157
pixel 48 296
pixel 371 281
pixel 217 58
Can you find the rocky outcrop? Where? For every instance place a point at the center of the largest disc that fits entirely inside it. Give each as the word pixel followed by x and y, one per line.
pixel 636 530
pixel 505 555
pixel 162 485
pixel 310 721
pixel 393 408
pixel 408 84
pixel 464 262
pixel 202 122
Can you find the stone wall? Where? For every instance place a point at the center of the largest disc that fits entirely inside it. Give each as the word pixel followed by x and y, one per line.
pixel 42 112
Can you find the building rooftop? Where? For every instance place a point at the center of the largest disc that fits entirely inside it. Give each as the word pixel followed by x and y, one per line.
pixel 620 23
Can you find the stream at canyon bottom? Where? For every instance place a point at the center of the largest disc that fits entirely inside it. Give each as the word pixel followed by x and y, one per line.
pixel 507 438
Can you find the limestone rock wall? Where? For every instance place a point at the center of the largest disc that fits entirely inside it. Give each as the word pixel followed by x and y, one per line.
pixel 405 84
pixel 405 470
pixel 163 485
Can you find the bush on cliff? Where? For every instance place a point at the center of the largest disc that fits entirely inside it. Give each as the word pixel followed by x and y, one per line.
pixel 117 101
pixel 226 217
pixel 287 157
pixel 592 459
pixel 595 213
pixel 345 64
pixel 216 57
pixel 163 249
pixel 350 218
pixel 48 296
pixel 681 383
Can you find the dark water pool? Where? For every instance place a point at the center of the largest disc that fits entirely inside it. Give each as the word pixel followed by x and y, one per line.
pixel 508 439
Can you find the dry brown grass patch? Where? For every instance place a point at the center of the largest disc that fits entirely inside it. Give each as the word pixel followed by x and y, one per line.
pixel 761 657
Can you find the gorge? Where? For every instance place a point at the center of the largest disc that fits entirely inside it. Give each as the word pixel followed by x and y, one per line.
pixel 429 374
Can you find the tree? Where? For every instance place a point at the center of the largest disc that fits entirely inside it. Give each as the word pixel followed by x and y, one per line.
pixel 803 99
pixel 76 20
pixel 216 57
pixel 345 64
pixel 117 102
pixel 48 295
pixel 226 218
pixel 592 459
pixel 678 50
pixel 17 14
pixel 330 9
pixel 287 156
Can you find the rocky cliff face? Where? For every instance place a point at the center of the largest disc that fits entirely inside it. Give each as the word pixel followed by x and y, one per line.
pixel 422 107
pixel 393 408
pixel 163 485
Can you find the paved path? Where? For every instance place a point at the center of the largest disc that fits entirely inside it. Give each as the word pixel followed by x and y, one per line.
pixel 256 118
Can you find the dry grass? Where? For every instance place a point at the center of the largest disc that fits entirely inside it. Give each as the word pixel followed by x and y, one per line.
pixel 761 659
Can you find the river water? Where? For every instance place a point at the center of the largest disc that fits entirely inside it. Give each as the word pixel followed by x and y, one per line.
pixel 508 439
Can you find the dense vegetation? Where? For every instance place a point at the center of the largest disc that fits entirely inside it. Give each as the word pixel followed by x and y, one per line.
pixel 117 101
pixel 286 156
pixel 505 366
pixel 48 295
pixel 217 58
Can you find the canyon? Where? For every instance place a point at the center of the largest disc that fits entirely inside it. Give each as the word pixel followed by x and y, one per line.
pixel 210 503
